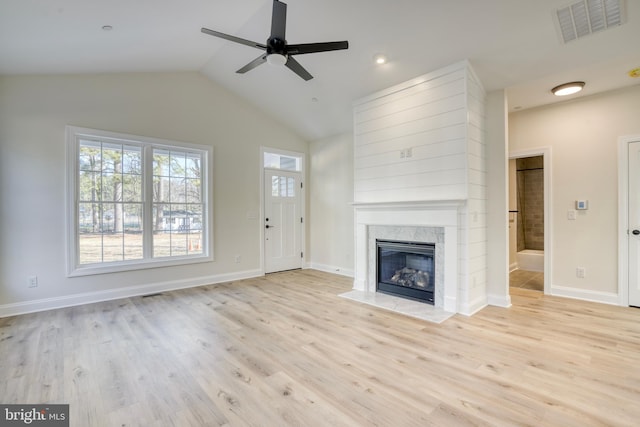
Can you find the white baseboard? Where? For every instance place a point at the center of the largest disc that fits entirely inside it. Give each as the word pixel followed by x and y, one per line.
pixel 499 300
pixel 15 309
pixel 586 295
pixel 513 267
pixel 331 269
pixel 473 307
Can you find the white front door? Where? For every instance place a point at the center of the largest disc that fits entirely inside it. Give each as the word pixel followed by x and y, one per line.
pixel 282 220
pixel 634 224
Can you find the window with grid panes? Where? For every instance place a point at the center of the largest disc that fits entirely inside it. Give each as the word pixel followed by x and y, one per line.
pixel 136 202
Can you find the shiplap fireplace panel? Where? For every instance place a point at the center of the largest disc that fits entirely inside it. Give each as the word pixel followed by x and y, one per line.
pixel 419 161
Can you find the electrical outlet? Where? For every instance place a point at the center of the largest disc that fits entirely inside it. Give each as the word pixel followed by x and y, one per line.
pixel 580 272
pixel 32 281
pixel 238 259
pixel 404 154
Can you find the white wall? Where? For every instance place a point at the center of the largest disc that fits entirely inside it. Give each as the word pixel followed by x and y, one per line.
pixel 473 238
pixel 583 135
pixel 497 206
pixel 179 106
pixel 331 213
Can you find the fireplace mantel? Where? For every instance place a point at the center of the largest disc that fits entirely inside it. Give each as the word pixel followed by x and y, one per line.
pixel 418 204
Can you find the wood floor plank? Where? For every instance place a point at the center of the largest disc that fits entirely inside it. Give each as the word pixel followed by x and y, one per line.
pixel 286 350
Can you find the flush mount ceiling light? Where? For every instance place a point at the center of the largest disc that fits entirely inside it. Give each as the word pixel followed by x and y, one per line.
pixel 567 88
pixel 380 59
pixel 107 27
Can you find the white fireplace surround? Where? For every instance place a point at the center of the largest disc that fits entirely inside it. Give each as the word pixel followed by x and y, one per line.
pixel 424 219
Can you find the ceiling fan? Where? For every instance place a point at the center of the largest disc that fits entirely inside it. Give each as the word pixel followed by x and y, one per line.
pixel 276 49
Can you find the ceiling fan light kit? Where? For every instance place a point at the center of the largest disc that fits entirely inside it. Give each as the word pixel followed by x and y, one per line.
pixel 276 50
pixel 276 59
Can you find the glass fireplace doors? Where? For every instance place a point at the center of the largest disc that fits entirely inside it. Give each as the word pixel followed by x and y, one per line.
pixel 406 269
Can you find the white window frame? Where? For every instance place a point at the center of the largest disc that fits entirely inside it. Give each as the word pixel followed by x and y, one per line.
pixel 73 135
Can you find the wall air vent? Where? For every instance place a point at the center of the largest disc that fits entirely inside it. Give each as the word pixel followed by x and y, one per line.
pixel 586 17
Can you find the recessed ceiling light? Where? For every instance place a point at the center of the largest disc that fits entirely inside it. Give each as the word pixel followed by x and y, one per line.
pixel 314 99
pixel 380 59
pixel 567 88
pixel 107 27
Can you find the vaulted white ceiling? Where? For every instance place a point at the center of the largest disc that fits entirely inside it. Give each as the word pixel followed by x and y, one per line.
pixel 511 44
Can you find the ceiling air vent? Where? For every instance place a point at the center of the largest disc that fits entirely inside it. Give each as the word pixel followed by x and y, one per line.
pixel 585 17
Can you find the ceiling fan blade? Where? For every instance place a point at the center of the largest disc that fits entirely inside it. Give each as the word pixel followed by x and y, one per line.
pixel 295 66
pixel 299 49
pixel 233 38
pixel 279 20
pixel 253 64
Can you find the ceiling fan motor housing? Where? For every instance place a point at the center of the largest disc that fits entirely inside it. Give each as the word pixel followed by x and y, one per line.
pixel 276 45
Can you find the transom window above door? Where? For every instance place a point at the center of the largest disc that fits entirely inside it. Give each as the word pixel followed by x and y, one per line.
pixel 282 162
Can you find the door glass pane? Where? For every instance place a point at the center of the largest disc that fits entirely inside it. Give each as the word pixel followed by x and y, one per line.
pixel 291 190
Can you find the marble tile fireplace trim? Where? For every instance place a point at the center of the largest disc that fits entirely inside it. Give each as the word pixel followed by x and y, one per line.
pixel 429 221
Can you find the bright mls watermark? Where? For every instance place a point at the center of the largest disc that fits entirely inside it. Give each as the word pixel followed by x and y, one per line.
pixel 34 415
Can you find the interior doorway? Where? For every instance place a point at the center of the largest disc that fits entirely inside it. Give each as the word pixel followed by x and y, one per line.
pixel 282 193
pixel 629 221
pixel 529 225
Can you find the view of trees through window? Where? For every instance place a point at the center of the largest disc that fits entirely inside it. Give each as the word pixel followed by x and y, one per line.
pixel 111 207
pixel 110 202
pixel 177 203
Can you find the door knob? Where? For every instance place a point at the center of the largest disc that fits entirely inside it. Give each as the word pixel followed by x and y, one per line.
pixel 636 232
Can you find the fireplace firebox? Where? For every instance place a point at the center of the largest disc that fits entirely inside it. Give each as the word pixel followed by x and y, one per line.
pixel 406 269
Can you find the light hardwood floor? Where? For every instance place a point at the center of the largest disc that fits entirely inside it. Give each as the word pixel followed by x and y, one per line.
pixel 285 350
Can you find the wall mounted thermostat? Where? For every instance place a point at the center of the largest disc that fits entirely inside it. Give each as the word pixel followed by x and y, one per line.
pixel 582 205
